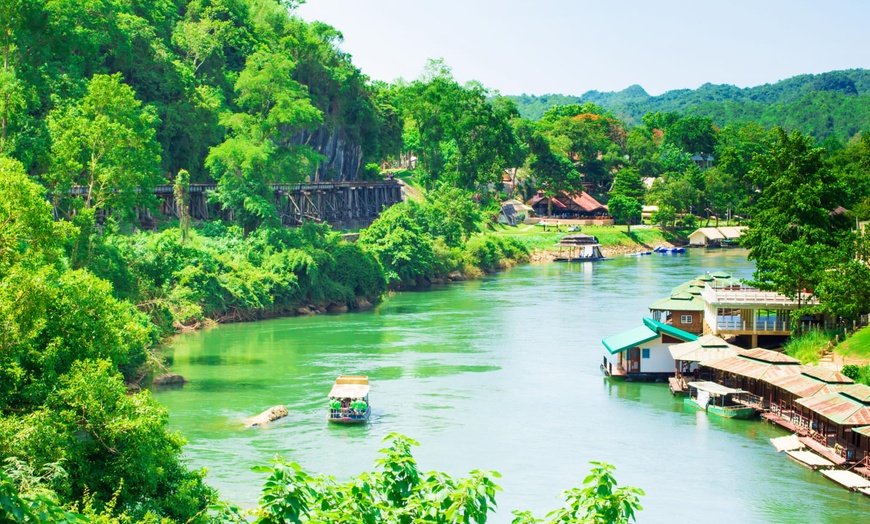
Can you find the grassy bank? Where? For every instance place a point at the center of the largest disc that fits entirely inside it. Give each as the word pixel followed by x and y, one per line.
pixel 533 237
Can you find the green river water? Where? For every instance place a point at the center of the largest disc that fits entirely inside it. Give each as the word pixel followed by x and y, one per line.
pixel 501 374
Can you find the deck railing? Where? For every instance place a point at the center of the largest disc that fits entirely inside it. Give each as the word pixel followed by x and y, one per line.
pixel 762 325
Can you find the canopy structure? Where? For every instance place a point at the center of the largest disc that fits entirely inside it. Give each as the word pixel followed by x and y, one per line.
pixel 714 388
pixel 350 386
pixel 787 443
pixel 708 347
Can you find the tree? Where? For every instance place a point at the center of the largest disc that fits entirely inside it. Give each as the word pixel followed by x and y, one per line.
pixel 401 244
pixel 553 173
pixel 628 182
pixel 692 134
pixel 261 150
pixel 27 231
pixel 104 143
pixel 625 210
pixel 794 233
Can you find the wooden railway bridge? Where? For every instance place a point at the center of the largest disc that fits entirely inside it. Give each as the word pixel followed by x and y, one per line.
pixel 348 204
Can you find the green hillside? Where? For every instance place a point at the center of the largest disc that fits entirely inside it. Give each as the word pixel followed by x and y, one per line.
pixel 833 103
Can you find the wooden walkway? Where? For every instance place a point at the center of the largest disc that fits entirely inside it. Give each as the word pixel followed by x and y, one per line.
pixel 809 459
pixel 823 450
pixel 847 479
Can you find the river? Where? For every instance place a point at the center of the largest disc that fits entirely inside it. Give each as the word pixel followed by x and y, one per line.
pixel 500 374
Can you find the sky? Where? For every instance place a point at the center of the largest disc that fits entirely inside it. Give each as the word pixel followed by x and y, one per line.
pixel 570 47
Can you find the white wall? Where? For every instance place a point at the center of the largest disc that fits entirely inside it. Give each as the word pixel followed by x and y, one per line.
pixel 659 361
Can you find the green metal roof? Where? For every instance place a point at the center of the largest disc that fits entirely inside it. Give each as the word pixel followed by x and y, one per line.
pixel 669 330
pixel 678 302
pixel 629 339
pixel 650 330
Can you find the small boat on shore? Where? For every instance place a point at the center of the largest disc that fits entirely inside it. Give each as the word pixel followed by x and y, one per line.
pixel 349 400
pixel 717 399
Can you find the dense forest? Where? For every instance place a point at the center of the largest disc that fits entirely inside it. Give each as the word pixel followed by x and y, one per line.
pixel 101 101
pixel 834 103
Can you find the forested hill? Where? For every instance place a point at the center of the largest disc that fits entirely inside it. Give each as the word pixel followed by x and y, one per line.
pixel 835 103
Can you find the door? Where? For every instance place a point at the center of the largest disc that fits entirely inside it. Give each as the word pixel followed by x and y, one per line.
pixel 634 360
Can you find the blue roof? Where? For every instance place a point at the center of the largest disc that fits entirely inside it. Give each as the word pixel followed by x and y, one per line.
pixel 650 330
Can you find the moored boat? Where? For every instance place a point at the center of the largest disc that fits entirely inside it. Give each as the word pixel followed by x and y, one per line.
pixel 718 399
pixel 349 400
pixel 578 248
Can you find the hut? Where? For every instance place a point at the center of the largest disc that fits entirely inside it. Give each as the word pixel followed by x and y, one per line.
pixel 785 390
pixel 688 355
pixel 751 370
pixel 835 417
pixel 716 236
pixel 569 206
pixel 642 353
pixel 684 308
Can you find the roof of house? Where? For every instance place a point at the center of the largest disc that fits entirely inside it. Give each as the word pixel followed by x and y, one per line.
pixel 863 430
pixel 679 301
pixel 562 200
pixel 666 329
pixel 629 339
pixel 710 232
pixel 745 365
pixel 708 347
pixel 650 330
pixel 802 386
pixel 843 407
pixel 769 356
pixel 827 375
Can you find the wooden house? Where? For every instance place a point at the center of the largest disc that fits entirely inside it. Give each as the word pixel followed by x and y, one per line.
pixel 752 370
pixel 836 417
pixel 569 206
pixel 642 353
pixel 785 390
pixel 734 308
pixel 715 236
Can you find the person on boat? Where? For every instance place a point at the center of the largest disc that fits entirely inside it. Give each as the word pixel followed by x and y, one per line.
pixel 334 406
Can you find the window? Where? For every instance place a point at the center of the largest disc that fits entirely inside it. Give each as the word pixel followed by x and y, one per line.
pixel 685 319
pixel 644 353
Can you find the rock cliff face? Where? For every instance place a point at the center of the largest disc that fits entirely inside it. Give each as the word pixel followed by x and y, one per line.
pixel 343 154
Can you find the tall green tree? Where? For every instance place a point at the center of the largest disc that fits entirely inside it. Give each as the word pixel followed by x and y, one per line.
pixel 625 210
pixel 260 150
pixel 794 232
pixel 104 144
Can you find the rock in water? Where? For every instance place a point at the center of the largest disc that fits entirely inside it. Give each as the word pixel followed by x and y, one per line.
pixel 169 379
pixel 273 413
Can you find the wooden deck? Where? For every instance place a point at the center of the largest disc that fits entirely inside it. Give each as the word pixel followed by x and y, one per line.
pixel 847 479
pixel 823 450
pixel 779 421
pixel 809 459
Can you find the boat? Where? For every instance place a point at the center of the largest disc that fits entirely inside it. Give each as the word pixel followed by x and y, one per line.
pixel 580 248
pixel 717 399
pixel 669 250
pixel 349 400
pixel 639 254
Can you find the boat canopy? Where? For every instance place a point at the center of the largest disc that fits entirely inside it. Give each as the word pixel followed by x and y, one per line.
pixel 714 388
pixel 350 386
pixel 349 391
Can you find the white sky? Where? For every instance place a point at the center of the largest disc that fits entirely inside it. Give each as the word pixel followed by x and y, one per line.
pixel 569 47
